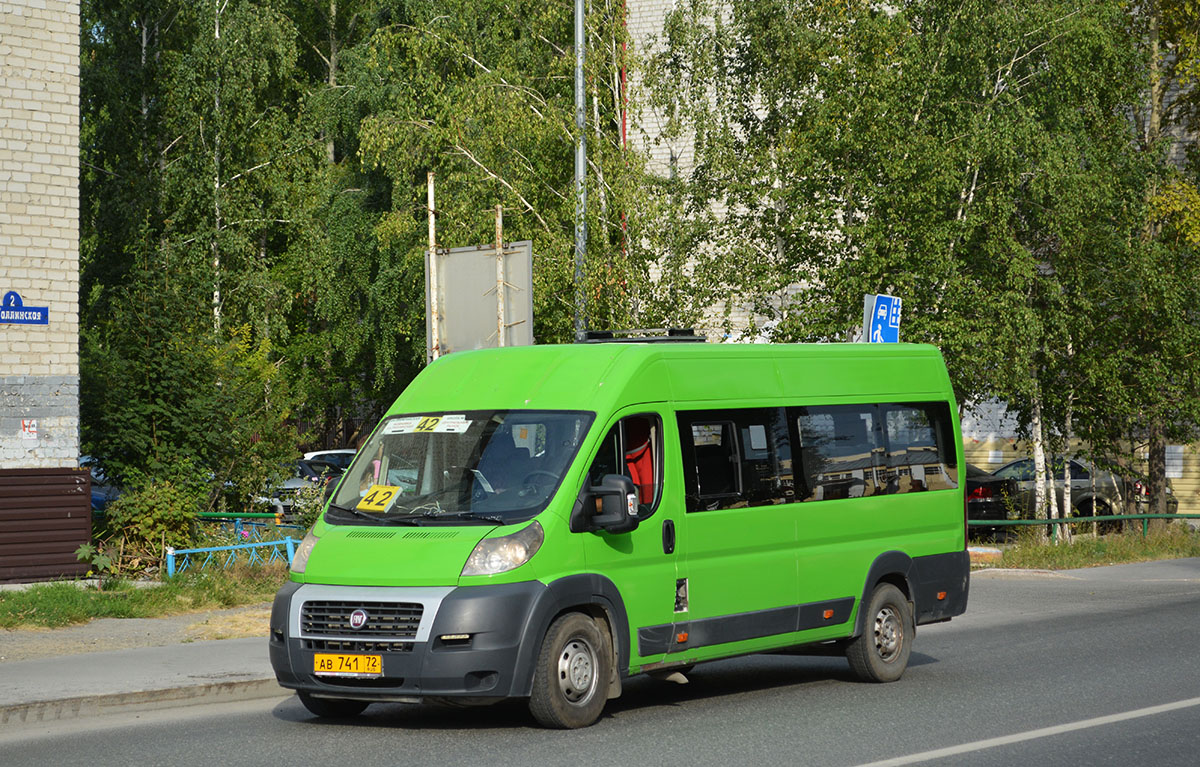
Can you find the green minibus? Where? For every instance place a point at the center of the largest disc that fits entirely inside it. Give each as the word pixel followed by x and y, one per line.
pixel 544 522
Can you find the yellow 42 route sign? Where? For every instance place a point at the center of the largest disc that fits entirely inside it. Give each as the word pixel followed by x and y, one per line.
pixel 378 498
pixel 428 424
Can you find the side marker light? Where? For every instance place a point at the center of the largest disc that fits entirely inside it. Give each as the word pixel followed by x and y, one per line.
pixel 681 637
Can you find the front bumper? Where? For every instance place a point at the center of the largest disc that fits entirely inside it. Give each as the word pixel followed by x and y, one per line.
pixel 425 657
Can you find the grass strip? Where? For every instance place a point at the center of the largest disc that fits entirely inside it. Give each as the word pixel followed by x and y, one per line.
pixel 1033 553
pixel 53 605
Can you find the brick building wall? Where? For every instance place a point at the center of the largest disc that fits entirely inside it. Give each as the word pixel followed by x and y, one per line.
pixel 39 232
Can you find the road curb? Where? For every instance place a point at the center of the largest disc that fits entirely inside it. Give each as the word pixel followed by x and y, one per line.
pixel 128 702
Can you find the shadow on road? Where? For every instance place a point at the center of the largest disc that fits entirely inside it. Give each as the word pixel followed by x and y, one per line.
pixel 712 681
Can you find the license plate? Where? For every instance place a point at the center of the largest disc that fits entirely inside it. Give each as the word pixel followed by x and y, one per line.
pixel 328 664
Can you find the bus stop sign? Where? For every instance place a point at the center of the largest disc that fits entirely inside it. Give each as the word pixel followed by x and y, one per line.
pixel 881 319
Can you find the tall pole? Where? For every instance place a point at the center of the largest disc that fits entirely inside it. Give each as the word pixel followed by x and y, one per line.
pixel 501 320
pixel 435 330
pixel 580 172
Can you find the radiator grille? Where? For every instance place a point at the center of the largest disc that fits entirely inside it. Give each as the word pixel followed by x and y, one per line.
pixel 350 645
pixel 385 620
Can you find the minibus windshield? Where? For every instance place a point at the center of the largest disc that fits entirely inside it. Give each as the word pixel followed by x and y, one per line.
pixel 460 467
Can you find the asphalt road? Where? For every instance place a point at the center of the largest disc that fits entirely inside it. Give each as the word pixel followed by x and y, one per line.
pixel 1096 667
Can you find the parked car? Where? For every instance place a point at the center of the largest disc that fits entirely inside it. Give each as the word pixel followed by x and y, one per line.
pixel 303 474
pixel 989 498
pixel 104 491
pixel 341 457
pixel 1141 494
pixel 1094 491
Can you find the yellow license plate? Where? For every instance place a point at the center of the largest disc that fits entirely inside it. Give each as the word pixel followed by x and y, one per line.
pixel 329 664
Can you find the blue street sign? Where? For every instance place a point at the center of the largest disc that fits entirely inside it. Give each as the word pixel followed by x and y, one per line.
pixel 14 311
pixel 881 319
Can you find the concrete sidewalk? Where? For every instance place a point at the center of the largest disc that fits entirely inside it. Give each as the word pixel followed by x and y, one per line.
pixel 97 683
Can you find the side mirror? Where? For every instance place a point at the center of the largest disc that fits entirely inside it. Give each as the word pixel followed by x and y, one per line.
pixel 611 506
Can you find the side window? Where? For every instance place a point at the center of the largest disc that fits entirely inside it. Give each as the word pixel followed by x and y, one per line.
pixel 920 447
pixel 736 458
pixel 633 447
pixel 839 452
pixel 1022 470
pixel 717 475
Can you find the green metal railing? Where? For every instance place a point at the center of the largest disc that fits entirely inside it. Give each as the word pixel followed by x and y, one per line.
pixel 1145 520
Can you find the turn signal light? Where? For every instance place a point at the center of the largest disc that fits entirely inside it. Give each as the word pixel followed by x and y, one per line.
pixel 941 595
pixel 681 637
pixel 828 614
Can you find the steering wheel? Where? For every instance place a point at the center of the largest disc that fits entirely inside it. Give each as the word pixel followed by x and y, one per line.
pixel 550 477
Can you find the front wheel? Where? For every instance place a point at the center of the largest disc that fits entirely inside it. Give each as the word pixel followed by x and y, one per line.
pixel 332 708
pixel 570 683
pixel 880 653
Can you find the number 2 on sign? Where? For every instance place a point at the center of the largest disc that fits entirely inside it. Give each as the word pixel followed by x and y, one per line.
pixel 378 497
pixel 429 423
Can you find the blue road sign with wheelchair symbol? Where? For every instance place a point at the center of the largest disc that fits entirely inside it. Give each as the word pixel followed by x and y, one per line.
pixel 881 319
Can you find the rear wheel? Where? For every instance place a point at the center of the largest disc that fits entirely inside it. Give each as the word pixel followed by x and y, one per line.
pixel 570 683
pixel 332 708
pixel 1093 508
pixel 880 653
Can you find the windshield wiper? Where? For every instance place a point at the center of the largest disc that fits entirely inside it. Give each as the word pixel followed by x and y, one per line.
pixel 423 505
pixel 472 515
pixel 378 519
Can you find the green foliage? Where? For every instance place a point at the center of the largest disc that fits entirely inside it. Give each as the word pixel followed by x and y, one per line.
pixel 977 159
pixel 309 503
pixel 253 196
pixel 156 512
pixel 100 562
pixel 191 153
pixel 253 222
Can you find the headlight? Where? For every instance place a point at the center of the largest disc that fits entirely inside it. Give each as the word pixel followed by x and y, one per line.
pixel 300 560
pixel 499 555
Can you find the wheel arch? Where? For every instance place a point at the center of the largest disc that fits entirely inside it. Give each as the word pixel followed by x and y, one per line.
pixel 1093 501
pixel 894 567
pixel 588 593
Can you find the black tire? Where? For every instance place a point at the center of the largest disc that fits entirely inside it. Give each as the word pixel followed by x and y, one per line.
pixel 332 708
pixel 570 682
pixel 880 653
pixel 1092 508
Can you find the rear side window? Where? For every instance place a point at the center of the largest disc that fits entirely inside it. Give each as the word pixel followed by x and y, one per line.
pixel 858 451
pixel 919 449
pixel 736 458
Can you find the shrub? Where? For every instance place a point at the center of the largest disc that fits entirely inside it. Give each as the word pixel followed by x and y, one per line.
pixel 152 514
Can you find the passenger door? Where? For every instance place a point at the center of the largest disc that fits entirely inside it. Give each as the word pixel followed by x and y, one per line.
pixel 642 564
pixel 740 543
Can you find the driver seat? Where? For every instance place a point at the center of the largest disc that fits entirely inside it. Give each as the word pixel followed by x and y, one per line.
pixel 503 463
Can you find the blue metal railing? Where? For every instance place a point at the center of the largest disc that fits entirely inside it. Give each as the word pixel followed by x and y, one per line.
pixel 179 560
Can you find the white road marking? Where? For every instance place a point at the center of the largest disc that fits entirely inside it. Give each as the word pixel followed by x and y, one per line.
pixel 1044 732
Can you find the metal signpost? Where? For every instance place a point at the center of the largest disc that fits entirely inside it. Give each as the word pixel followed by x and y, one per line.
pixel 483 296
pixel 881 319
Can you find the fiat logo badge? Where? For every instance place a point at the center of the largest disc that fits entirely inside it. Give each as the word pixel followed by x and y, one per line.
pixel 358 619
